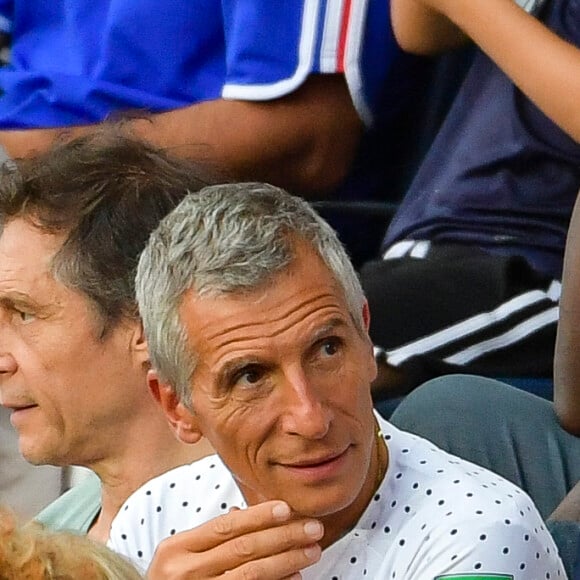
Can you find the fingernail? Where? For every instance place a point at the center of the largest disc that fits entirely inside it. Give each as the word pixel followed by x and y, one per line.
pixel 281 511
pixel 312 552
pixel 313 529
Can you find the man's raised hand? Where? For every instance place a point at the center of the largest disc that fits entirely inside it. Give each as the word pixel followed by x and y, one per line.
pixel 262 542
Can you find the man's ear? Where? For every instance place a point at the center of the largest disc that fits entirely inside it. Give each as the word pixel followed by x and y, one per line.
pixel 366 315
pixel 139 344
pixel 181 419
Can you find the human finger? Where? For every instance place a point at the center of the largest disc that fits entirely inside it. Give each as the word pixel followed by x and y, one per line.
pixel 283 566
pixel 233 524
pixel 232 540
pixel 300 535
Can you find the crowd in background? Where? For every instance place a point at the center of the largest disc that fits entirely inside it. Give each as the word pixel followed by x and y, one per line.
pixel 463 235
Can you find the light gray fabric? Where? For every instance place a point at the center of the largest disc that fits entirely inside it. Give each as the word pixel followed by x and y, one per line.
pixel 507 430
pixel 24 488
pixel 76 509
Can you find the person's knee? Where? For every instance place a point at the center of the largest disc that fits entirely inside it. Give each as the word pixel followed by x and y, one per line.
pixel 444 405
pixel 450 391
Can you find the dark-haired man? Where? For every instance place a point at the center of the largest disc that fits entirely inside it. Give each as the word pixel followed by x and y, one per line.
pixel 73 358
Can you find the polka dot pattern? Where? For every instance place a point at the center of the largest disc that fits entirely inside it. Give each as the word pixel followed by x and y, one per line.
pixel 433 514
pixel 178 500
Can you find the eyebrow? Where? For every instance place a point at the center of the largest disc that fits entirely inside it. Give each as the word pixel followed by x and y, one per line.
pixel 330 326
pixel 230 368
pixel 13 300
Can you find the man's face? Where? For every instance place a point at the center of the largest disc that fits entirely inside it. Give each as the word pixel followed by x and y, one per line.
pixel 70 392
pixel 282 390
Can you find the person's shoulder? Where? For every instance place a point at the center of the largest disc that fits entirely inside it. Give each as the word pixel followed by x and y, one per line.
pixel 75 509
pixel 205 472
pixel 186 494
pixel 448 499
pixel 446 483
pixel 195 482
pixel 178 500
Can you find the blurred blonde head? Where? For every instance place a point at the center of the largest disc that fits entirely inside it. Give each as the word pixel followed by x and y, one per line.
pixel 32 552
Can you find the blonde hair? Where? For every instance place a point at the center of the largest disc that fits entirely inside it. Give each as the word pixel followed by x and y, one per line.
pixel 33 552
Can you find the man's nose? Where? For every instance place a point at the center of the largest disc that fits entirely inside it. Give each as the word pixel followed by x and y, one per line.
pixel 306 412
pixel 7 363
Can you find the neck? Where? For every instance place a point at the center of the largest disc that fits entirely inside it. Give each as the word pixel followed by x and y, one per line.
pixel 134 465
pixel 338 524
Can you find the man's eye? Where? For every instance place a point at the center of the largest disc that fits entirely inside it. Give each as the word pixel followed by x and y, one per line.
pixel 250 376
pixel 25 316
pixel 331 346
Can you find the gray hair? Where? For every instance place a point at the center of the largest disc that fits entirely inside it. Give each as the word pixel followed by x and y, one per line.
pixel 226 239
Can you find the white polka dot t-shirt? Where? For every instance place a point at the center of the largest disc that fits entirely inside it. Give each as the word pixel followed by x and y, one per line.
pixel 433 517
pixel 177 500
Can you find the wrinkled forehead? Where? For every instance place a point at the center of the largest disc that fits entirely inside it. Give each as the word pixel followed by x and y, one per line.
pixel 27 253
pixel 305 282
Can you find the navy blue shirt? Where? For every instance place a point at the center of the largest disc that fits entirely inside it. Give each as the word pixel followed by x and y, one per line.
pixel 500 174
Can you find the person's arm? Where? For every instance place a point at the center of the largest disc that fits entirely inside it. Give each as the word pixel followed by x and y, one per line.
pixel 566 356
pixel 545 67
pixel 568 510
pixel 305 141
pixel 420 29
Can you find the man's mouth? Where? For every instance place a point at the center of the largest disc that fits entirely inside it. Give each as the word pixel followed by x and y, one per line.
pixel 18 406
pixel 316 462
pixel 19 412
pixel 321 467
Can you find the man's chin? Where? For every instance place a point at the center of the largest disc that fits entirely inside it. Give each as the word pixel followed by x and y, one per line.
pixel 38 457
pixel 34 459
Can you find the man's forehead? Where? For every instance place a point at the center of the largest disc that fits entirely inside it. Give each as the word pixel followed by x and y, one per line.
pixel 21 238
pixel 26 256
pixel 228 321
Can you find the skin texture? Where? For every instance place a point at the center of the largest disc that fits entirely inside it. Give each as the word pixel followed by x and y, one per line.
pixel 566 361
pixel 545 67
pixel 305 141
pixel 45 327
pixel 265 541
pixel 282 391
pixel 76 398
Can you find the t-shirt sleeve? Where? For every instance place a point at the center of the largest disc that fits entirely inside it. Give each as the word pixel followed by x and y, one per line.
pixel 272 47
pixel 308 35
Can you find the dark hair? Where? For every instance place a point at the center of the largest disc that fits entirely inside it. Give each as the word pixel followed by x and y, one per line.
pixel 105 193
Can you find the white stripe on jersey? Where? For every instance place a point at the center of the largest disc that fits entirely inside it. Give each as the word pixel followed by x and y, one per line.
pixel 331 36
pixel 353 59
pixel 471 325
pixel 513 335
pixel 305 58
